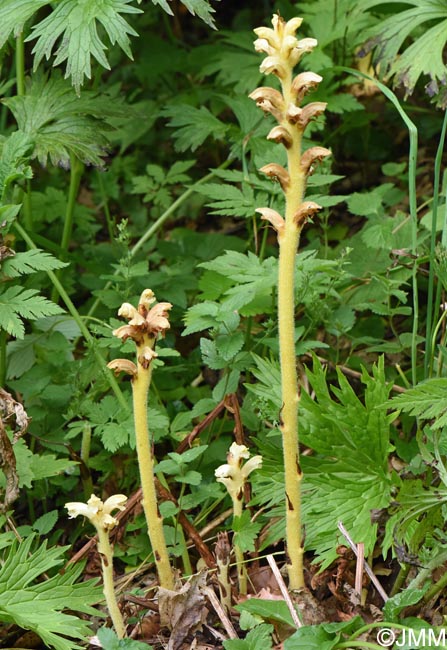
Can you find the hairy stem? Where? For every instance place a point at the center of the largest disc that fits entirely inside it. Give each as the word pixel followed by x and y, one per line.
pixel 154 520
pixel 288 245
pixel 105 550
pixel 240 566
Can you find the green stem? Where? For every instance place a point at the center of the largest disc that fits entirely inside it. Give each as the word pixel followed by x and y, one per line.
pixel 80 323
pixel 432 306
pixel 106 553
pixel 154 520
pixel 159 223
pixel 401 577
pixel 76 170
pixel 20 65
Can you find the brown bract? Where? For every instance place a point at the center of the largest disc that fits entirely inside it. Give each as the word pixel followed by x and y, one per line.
pixel 312 155
pixel 305 212
pixel 277 172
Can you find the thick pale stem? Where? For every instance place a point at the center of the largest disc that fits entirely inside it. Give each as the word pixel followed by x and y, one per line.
pixel 288 245
pixel 106 553
pixel 240 565
pixel 140 388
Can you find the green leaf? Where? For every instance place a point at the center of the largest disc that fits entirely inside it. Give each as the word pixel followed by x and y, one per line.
pixel 59 123
pixel 201 317
pixel 194 125
pixel 44 524
pixel 245 532
pixel 15 152
pixel 17 303
pixel 76 23
pixel 428 18
pixel 269 610
pixel 14 14
pixel 427 400
pixel 202 9
pixel 324 636
pixel 260 638
pixel 228 200
pixel 29 262
pixel 400 601
pixel 38 606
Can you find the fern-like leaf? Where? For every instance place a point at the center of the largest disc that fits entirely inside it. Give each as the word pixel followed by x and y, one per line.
pixel 29 262
pixel 15 151
pixel 75 22
pixel 38 606
pixel 194 125
pixel 17 303
pixel 427 401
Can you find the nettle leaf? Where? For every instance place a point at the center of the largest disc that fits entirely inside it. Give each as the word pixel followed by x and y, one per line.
pixel 29 262
pixel 38 606
pixel 194 125
pixel 75 22
pixel 427 401
pixel 14 14
pixel 15 152
pixel 59 123
pixel 17 303
pixel 424 56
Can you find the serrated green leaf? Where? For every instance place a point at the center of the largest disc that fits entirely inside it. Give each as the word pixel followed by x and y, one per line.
pixel 75 22
pixel 202 9
pixel 15 153
pixel 228 345
pixel 193 125
pixel 44 524
pixel 427 400
pixel 425 55
pixel 245 532
pixel 38 606
pixel 109 641
pixel 17 303
pixel 200 317
pixel 59 123
pixel 29 262
pixel 14 14
pixel 228 200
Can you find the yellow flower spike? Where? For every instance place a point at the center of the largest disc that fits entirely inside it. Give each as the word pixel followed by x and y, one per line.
pixel 284 52
pixel 100 516
pixel 146 323
pixel 234 474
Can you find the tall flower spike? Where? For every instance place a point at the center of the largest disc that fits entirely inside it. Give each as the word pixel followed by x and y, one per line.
pixel 283 51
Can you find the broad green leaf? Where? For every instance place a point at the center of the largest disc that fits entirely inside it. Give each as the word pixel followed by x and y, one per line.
pixel 193 125
pixel 59 123
pixel 427 400
pixel 260 638
pixel 44 524
pixel 14 14
pixel 38 606
pixel 29 262
pixel 75 23
pixel 17 303
pixel 269 610
pixel 400 601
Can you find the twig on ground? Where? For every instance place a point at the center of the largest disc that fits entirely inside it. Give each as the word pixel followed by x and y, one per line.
pixel 209 593
pixel 282 585
pixel 366 566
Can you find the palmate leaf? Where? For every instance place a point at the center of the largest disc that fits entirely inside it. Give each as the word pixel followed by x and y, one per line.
pixel 14 14
pixel 59 123
pixel 75 22
pixel 427 401
pixel 424 56
pixel 37 606
pixel 17 303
